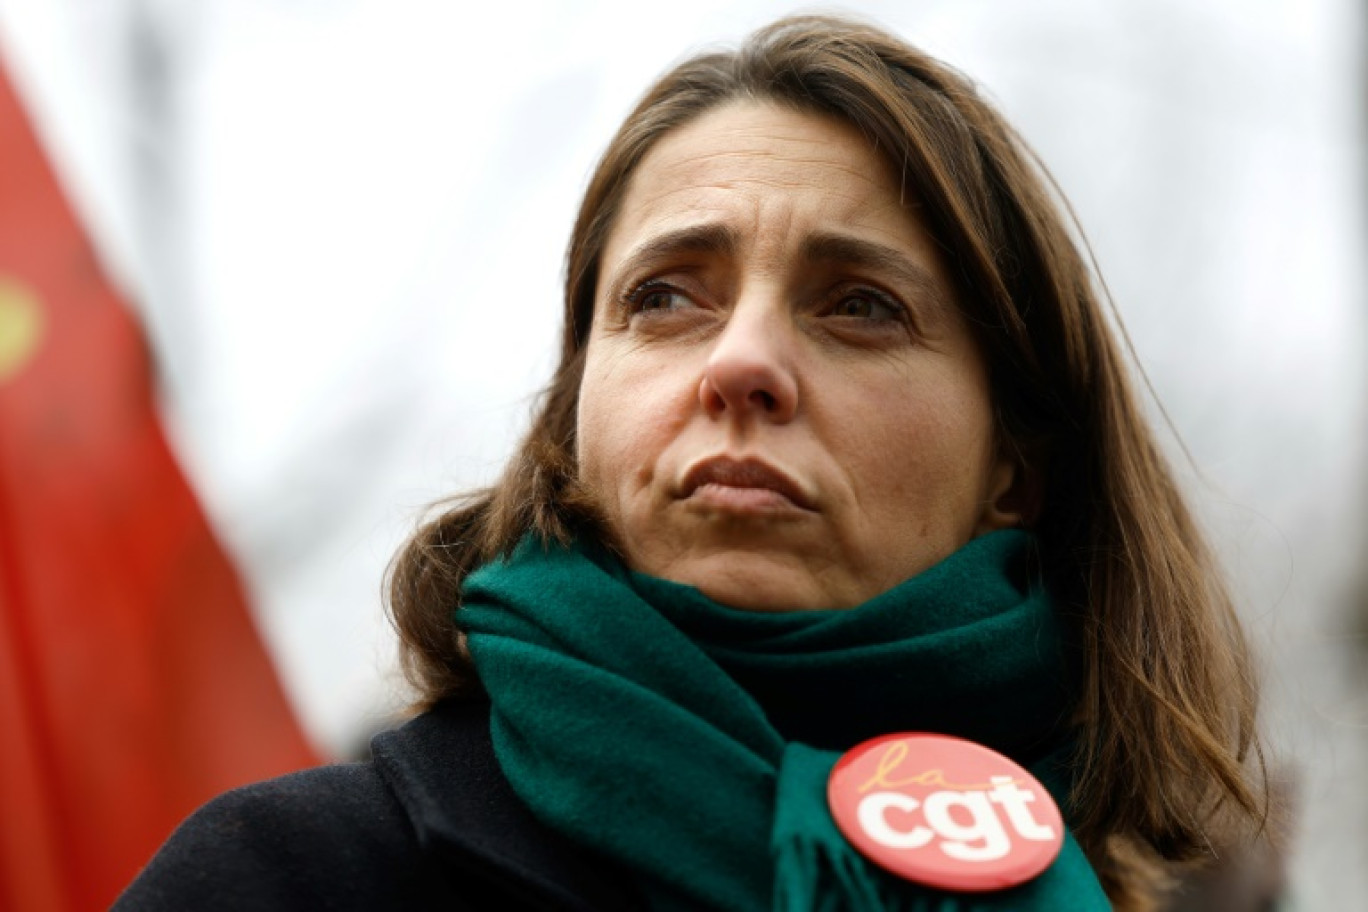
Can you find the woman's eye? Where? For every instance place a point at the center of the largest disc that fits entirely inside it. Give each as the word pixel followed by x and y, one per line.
pixel 656 298
pixel 867 305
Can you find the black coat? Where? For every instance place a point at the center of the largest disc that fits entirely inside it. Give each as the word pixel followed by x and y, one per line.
pixel 429 823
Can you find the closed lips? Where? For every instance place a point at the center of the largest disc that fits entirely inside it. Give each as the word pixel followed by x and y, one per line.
pixel 747 473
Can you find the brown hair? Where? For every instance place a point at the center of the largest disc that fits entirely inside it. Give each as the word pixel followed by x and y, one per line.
pixel 1166 707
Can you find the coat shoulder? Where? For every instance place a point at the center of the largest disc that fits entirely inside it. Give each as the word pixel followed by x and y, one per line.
pixel 333 837
pixel 429 823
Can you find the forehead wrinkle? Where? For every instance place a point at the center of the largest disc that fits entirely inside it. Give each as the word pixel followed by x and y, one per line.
pixel 688 182
pixel 743 198
pixel 655 197
pixel 807 169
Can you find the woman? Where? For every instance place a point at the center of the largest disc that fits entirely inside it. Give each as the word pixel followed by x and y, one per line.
pixel 839 446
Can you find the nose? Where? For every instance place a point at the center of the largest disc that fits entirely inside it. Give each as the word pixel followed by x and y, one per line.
pixel 750 371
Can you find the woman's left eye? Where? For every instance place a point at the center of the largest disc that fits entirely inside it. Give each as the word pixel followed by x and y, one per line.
pixel 867 304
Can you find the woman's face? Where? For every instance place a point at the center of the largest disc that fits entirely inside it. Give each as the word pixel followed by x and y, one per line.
pixel 782 404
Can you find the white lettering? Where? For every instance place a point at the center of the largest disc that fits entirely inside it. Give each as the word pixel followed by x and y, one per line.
pixel 872 813
pixel 985 828
pixel 1014 801
pixel 965 825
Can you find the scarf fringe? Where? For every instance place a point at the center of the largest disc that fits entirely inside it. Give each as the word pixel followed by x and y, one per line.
pixel 815 868
pixel 811 875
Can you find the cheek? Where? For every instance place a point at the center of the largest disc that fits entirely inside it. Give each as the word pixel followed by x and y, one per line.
pixel 595 426
pixel 929 452
pixel 624 423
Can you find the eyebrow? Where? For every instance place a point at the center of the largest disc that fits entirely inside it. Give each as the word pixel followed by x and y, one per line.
pixel 710 238
pixel 820 248
pixel 905 272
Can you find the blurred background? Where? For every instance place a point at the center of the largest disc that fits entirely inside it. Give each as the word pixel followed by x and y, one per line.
pixel 341 226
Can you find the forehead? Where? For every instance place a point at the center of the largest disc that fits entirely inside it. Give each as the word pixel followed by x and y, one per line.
pixel 749 163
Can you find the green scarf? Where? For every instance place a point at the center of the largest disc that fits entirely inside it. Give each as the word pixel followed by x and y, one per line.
pixel 692 742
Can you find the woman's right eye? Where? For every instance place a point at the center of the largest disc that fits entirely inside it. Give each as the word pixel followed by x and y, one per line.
pixel 655 297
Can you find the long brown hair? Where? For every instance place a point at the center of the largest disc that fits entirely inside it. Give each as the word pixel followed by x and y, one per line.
pixel 1166 708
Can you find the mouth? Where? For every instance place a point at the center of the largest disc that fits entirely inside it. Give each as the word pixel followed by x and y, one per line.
pixel 743 486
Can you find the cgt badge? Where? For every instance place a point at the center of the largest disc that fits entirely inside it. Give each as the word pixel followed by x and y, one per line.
pixel 945 812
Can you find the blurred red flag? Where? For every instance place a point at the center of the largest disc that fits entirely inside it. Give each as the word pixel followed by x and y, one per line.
pixel 133 685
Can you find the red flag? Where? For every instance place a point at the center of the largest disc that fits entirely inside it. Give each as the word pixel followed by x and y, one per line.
pixel 133 685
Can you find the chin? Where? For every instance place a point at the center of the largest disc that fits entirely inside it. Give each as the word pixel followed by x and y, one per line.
pixel 767 587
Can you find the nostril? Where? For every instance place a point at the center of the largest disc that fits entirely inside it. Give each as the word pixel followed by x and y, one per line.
pixel 748 383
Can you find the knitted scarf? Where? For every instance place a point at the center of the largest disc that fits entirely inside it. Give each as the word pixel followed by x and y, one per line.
pixel 692 742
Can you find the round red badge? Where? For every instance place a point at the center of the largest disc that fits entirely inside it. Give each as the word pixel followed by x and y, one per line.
pixel 945 812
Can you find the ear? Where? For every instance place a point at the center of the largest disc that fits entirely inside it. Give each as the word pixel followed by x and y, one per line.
pixel 1015 495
